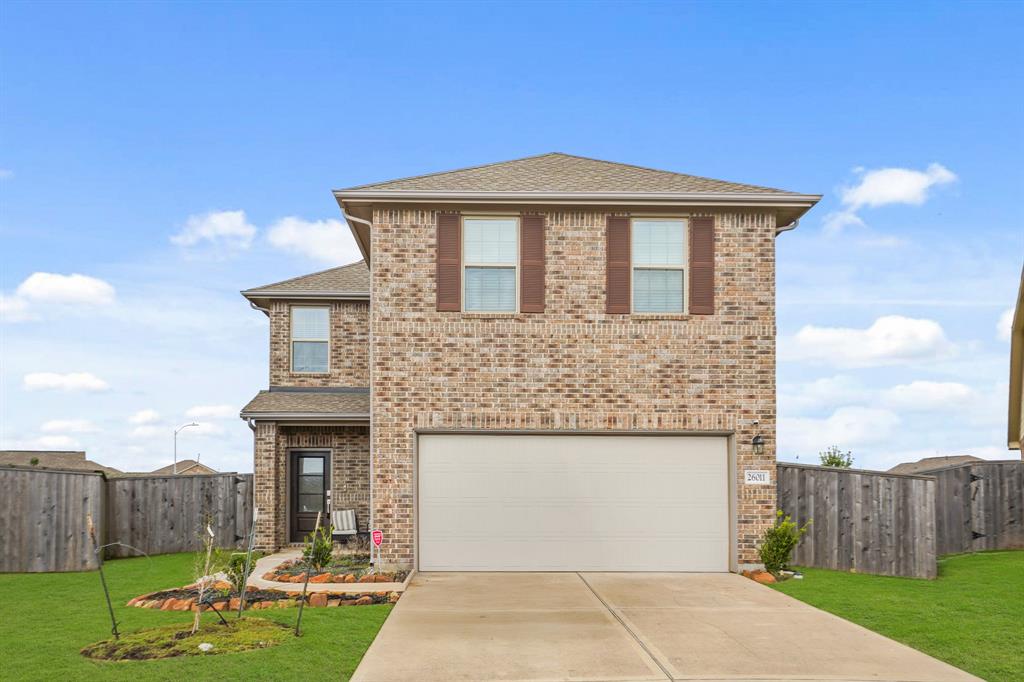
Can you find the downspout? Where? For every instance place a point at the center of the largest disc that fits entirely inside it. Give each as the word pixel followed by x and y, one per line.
pixel 787 228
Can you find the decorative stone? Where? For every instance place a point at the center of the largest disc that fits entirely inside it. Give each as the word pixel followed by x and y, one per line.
pixel 234 604
pixel 205 647
pixel 765 578
pixel 318 599
pixel 183 604
pixel 266 604
pixel 349 578
pixel 168 604
pixel 333 602
pixel 363 601
pixel 300 578
pixel 322 578
pixel 394 597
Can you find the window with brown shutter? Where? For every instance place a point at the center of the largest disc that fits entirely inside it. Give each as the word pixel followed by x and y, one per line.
pixel 449 262
pixel 702 265
pixel 531 272
pixel 617 293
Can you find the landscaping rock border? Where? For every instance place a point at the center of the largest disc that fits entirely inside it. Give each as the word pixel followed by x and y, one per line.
pixel 184 599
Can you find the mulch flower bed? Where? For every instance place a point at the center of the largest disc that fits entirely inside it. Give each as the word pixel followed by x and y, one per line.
pixel 184 599
pixel 346 569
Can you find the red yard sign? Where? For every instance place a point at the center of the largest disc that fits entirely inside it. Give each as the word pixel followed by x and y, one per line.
pixel 377 536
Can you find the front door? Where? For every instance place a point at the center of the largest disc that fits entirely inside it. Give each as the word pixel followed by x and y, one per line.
pixel 310 490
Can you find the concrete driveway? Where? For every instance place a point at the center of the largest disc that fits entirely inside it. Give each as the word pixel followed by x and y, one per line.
pixel 596 627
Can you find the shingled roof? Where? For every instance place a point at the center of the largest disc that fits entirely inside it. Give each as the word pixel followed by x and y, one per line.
pixel 564 173
pixel 351 403
pixel 352 280
pixel 929 464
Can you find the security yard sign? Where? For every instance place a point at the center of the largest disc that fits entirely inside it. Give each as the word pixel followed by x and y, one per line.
pixel 377 536
pixel 758 477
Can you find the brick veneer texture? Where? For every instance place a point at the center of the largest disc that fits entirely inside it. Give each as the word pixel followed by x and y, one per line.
pixel 350 473
pixel 573 367
pixel 349 346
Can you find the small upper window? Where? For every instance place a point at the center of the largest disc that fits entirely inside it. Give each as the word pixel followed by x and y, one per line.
pixel 490 248
pixel 311 331
pixel 659 261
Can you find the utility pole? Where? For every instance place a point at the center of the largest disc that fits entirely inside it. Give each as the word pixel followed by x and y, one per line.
pixel 183 426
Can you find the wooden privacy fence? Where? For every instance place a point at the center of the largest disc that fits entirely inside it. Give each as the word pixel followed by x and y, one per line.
pixel 868 521
pixel 163 514
pixel 43 517
pixel 980 506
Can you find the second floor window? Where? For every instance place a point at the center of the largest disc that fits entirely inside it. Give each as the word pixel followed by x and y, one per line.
pixel 659 262
pixel 490 248
pixel 311 333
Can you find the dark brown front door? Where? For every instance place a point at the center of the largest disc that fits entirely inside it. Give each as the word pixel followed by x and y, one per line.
pixel 311 479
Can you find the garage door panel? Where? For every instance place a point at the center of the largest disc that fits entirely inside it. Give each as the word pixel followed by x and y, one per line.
pixel 513 502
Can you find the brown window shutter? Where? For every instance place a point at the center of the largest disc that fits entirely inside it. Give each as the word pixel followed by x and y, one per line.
pixel 449 262
pixel 619 264
pixel 702 265
pixel 531 264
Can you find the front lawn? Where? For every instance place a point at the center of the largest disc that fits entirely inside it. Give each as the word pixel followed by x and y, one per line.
pixel 46 618
pixel 972 616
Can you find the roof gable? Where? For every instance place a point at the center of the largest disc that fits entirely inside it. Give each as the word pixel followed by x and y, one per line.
pixel 565 173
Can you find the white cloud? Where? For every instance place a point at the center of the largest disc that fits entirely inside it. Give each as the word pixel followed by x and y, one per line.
pixel 69 426
pixel 149 431
pixel 49 287
pixel 212 412
pixel 144 417
pixel 74 381
pixel 225 231
pixel 883 187
pixel 929 395
pixel 890 340
pixel 824 393
pixel 207 429
pixel 14 309
pixel 1005 325
pixel 56 443
pixel 847 427
pixel 328 241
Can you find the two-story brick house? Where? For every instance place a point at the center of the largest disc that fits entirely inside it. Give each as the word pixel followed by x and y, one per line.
pixel 553 363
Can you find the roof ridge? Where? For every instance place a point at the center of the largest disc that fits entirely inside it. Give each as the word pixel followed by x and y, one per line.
pixel 308 274
pixel 454 170
pixel 668 172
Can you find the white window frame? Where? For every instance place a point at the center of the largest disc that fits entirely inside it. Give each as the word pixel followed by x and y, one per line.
pixel 292 339
pixel 505 266
pixel 684 268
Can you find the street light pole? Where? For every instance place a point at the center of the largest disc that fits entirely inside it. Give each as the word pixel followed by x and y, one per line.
pixel 183 426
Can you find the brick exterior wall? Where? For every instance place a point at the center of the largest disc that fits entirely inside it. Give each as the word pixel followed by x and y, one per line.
pixel 349 346
pixel 350 473
pixel 573 367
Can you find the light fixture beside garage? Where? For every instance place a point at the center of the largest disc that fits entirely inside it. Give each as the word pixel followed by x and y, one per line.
pixel 758 443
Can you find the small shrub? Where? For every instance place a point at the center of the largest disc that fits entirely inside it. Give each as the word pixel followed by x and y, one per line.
pixel 834 457
pixel 319 548
pixel 234 569
pixel 779 542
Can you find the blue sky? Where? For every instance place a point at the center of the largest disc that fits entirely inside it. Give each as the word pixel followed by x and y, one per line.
pixel 173 154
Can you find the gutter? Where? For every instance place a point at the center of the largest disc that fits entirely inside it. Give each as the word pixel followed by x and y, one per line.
pixel 298 295
pixel 252 417
pixel 792 226
pixel 679 198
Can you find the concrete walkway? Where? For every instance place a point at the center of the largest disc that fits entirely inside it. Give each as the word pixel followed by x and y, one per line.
pixel 619 627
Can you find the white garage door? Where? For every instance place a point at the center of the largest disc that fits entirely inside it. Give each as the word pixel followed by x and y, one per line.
pixel 573 503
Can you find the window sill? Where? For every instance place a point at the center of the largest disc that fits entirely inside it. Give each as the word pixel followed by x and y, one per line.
pixel 310 374
pixel 484 315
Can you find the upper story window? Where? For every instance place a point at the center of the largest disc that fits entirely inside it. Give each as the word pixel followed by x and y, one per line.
pixel 490 248
pixel 311 333
pixel 659 263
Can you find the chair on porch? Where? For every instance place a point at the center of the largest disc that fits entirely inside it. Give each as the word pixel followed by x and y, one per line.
pixel 344 522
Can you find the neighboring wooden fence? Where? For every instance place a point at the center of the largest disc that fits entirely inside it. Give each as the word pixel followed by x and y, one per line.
pixel 163 514
pixel 43 518
pixel 868 521
pixel 980 506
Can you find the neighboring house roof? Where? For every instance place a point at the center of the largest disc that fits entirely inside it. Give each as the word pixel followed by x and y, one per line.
pixel 1015 433
pixel 185 466
pixel 932 463
pixel 347 281
pixel 564 173
pixel 338 404
pixel 68 460
pixel 564 179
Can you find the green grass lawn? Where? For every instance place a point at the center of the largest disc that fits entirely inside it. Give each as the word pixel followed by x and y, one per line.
pixel 972 616
pixel 46 618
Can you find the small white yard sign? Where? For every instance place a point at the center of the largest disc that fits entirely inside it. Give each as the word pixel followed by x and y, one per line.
pixel 757 477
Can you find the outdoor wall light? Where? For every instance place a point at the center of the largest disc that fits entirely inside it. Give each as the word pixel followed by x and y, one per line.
pixel 758 443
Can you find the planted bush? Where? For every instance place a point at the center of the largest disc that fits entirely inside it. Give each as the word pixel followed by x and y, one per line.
pixel 319 548
pixel 779 542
